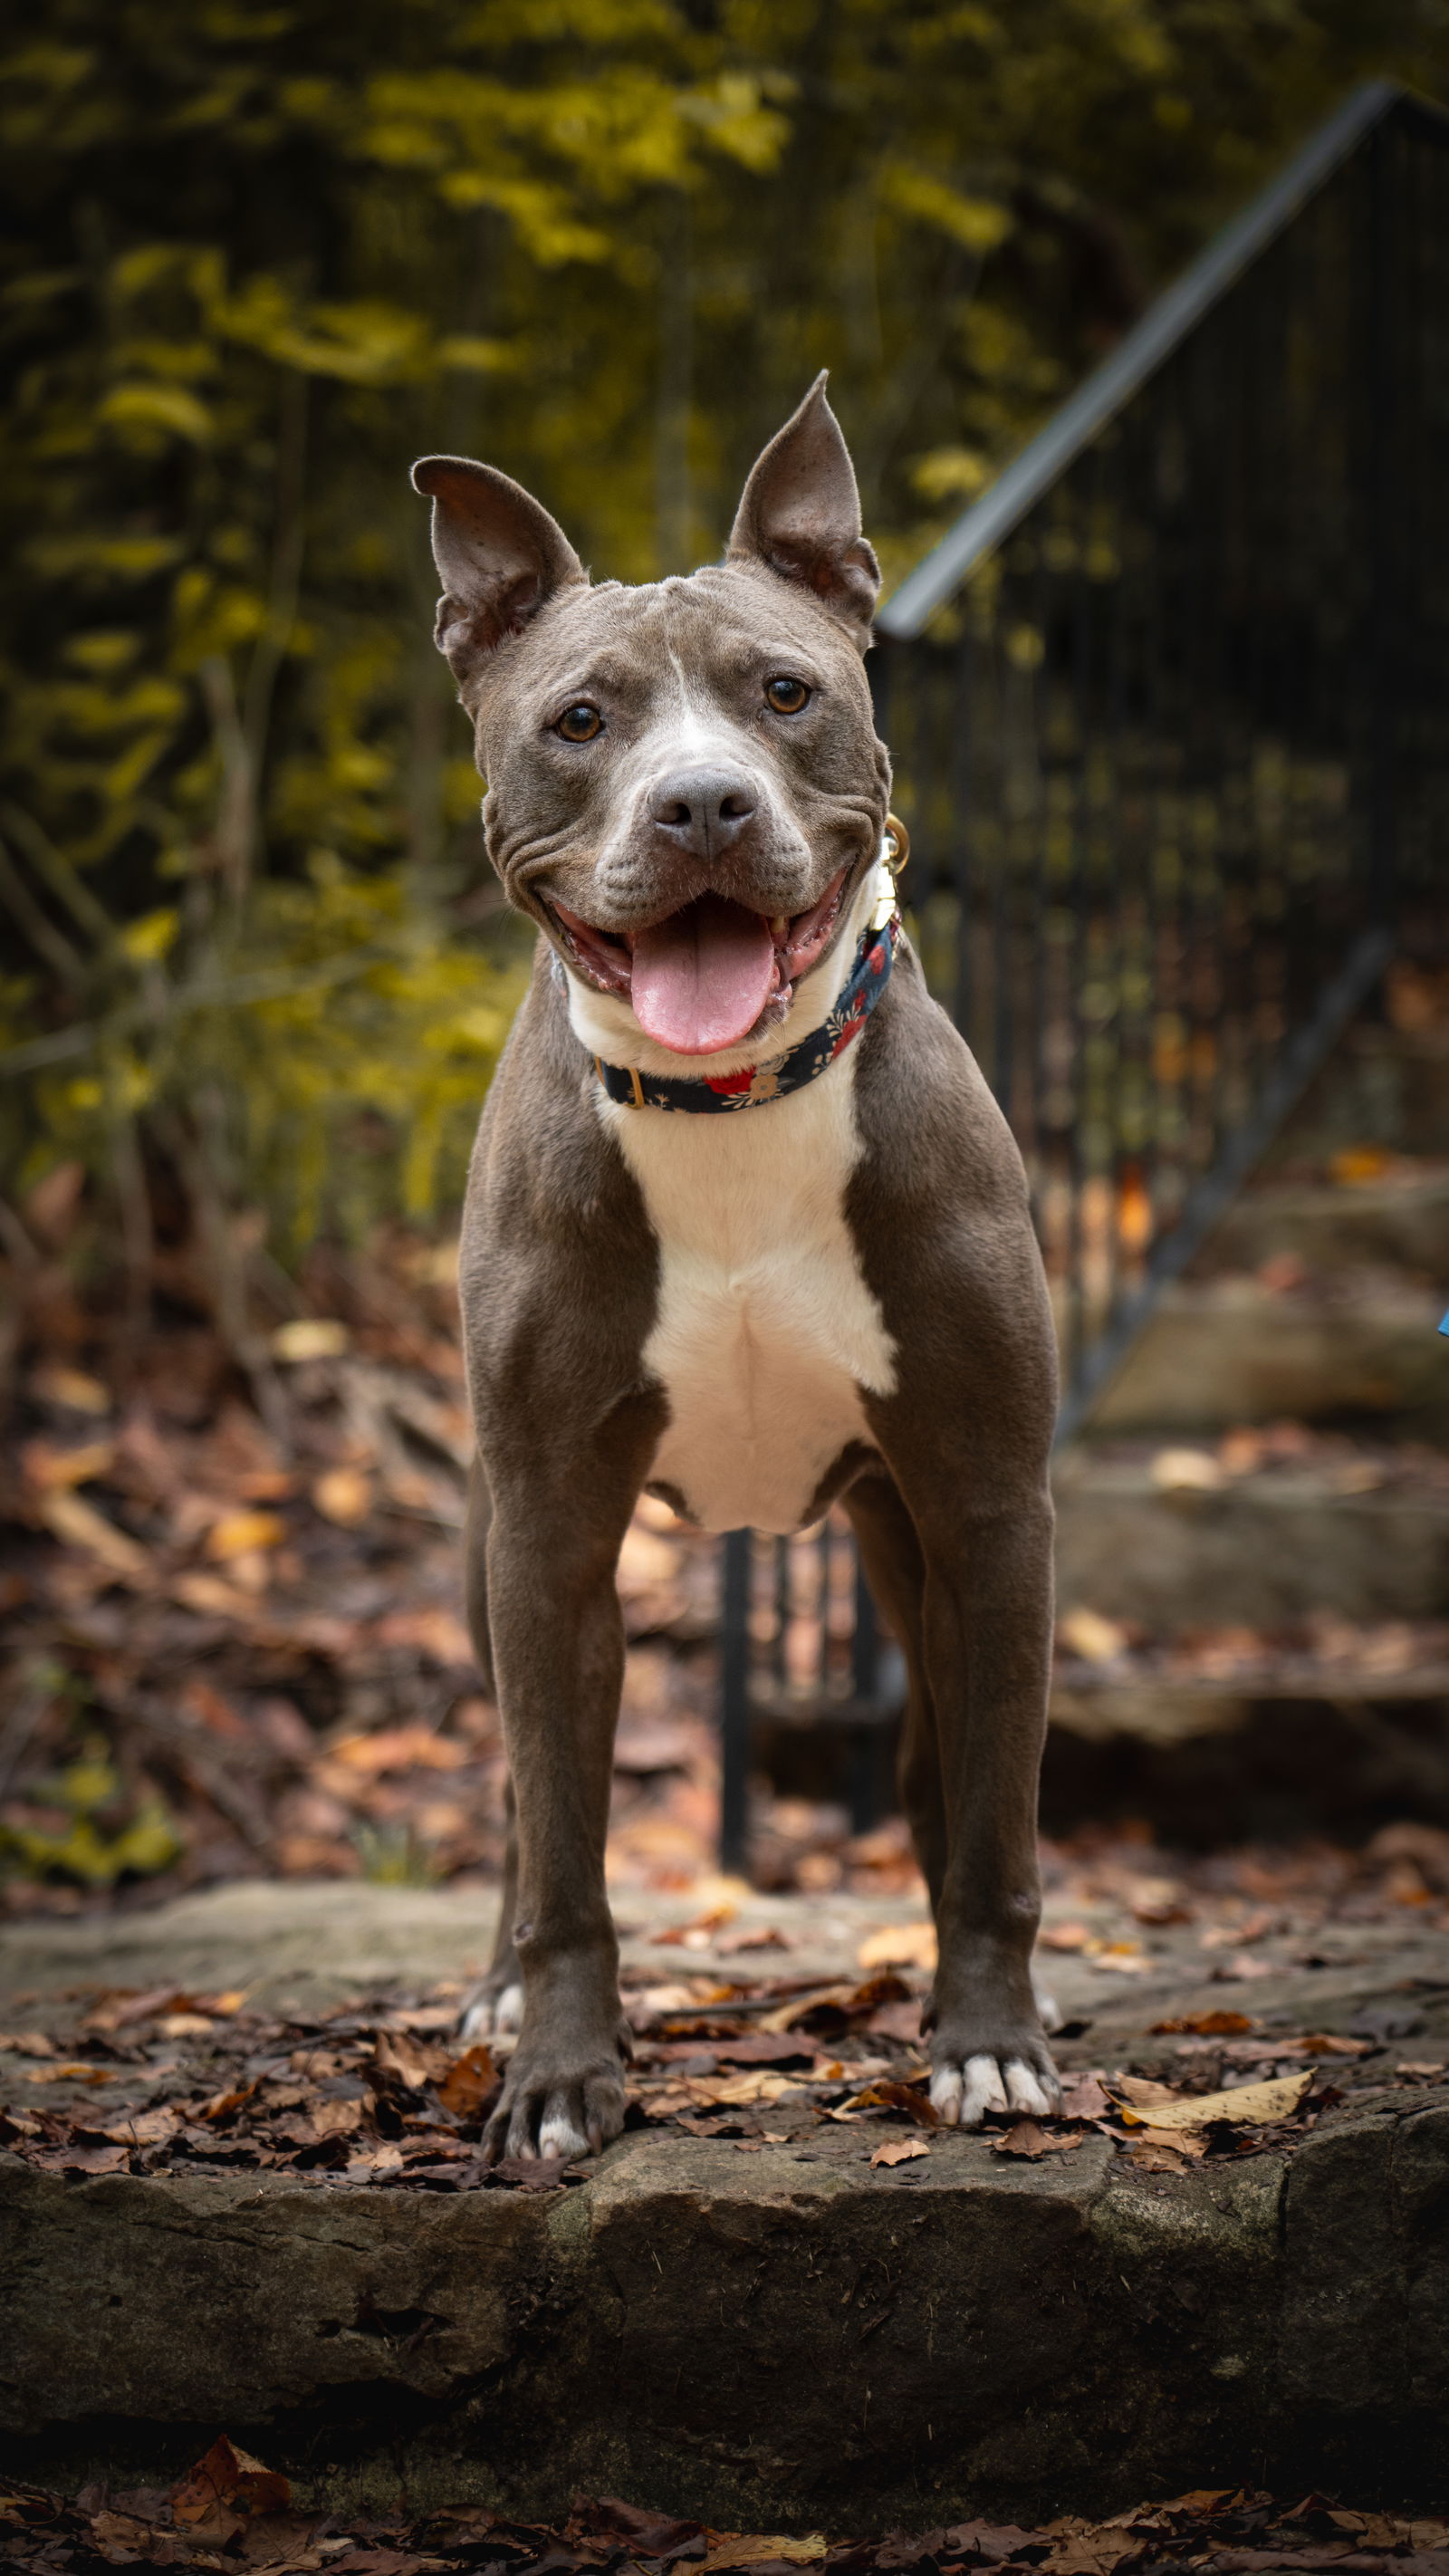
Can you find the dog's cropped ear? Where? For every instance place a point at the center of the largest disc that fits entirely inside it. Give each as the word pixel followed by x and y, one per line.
pixel 800 514
pixel 499 553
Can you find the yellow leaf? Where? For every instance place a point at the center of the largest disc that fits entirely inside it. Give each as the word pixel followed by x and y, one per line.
pixel 238 1533
pixel 343 1495
pixel 899 1945
pixel 1250 2103
pixel 309 1337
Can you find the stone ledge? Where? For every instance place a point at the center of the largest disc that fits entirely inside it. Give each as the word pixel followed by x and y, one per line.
pixel 773 2339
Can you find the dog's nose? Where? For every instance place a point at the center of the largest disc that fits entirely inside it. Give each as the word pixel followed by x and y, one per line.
pixel 702 810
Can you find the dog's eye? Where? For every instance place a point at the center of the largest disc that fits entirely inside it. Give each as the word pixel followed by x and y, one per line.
pixel 785 695
pixel 580 723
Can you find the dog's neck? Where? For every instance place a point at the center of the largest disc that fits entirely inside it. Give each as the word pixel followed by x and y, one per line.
pixel 606 1025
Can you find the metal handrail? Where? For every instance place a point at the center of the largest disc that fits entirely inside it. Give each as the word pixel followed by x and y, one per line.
pixel 1163 328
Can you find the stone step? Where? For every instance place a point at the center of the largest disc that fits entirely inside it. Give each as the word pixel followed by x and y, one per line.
pixel 1238 1349
pixel 775 2337
pixel 1394 1218
pixel 1253 1530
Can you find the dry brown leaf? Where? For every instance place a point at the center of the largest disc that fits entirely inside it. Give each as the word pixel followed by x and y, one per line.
pixel 1174 2144
pixel 1207 2025
pixel 1085 2099
pixel 883 2093
pixel 1063 1936
pixel 227 2485
pixel 1029 2138
pixel 211 1598
pixel 338 2119
pixel 900 2151
pixel 398 1748
pixel 898 1945
pixel 1250 2104
pixel 77 1523
pixel 28 2043
pixel 469 2081
pixel 745 2550
pixel 395 2058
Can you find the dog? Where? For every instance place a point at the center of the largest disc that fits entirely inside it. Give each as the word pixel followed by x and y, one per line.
pixel 744 1228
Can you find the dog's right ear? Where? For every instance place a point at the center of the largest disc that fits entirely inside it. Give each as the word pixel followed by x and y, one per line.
pixel 500 555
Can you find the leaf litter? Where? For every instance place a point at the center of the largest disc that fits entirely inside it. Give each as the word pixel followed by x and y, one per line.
pixel 231 2511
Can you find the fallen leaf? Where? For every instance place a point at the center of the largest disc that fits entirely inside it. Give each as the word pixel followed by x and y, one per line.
pixel 343 1495
pixel 28 2043
pixel 468 2082
pixel 1207 2025
pixel 339 2119
pixel 77 2158
pixel 309 1337
pixel 884 2094
pixel 745 2551
pixel 242 1533
pixel 696 1935
pixel 1186 1471
pixel 1332 2043
pixel 1420 2066
pixel 1095 1639
pixel 1249 2104
pixel 1085 2099
pixel 211 1598
pixel 900 2151
pixel 398 2063
pixel 899 1945
pixel 1063 1936
pixel 70 2071
pixel 1140 2090
pixel 56 1384
pixel 55 1470
pixel 185 2025
pixel 1029 2138
pixel 1173 2143
pixel 397 1748
pixel 69 1518
pixel 227 2485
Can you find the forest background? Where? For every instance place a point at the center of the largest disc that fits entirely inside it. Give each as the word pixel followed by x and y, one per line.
pixel 255 258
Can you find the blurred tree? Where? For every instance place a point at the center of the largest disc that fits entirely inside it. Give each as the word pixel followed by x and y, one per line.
pixel 255 257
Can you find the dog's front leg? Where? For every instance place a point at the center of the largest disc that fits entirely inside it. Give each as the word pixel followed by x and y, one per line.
pixel 558 1653
pixel 987 1613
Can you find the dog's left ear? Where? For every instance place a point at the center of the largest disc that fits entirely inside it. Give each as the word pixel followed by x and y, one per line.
pixel 800 514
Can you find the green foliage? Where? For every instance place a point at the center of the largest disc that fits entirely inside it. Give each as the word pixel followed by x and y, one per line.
pixel 257 257
pixel 103 1836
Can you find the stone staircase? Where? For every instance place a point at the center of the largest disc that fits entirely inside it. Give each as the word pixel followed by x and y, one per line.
pixel 1253 1549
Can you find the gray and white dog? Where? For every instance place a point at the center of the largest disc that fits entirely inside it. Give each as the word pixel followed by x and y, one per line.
pixel 744 1228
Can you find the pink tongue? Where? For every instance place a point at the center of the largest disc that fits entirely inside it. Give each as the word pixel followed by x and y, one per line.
pixel 702 978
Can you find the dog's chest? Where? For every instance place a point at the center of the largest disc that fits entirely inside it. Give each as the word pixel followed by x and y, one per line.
pixel 765 1332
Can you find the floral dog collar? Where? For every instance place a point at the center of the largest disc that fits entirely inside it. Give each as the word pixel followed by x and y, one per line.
pixel 752 1086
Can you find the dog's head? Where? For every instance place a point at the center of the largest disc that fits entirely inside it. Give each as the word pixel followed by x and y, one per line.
pixel 684 783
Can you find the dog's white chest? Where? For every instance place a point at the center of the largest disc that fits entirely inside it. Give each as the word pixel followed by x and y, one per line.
pixel 766 1332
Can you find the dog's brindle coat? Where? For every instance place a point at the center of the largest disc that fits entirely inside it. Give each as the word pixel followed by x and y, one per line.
pixel 833 1293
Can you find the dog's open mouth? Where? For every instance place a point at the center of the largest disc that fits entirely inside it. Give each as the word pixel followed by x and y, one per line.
pixel 705 976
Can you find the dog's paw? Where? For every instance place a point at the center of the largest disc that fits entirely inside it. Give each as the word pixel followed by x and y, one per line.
pixel 546 2111
pixel 491 2012
pixel 965 2087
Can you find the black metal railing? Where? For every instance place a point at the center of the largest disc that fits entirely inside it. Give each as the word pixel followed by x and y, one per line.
pixel 1169 712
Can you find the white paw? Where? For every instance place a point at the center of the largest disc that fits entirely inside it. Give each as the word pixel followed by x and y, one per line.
pixel 1046 2004
pixel 962 2095
pixel 492 2016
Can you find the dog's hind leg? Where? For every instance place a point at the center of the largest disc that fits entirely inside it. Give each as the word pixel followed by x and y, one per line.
pixel 495 2004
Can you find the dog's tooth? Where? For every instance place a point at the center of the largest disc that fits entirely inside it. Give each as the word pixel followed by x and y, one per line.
pixel 779 926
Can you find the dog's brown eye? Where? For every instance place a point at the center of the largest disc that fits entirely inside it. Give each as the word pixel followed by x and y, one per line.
pixel 580 723
pixel 786 696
